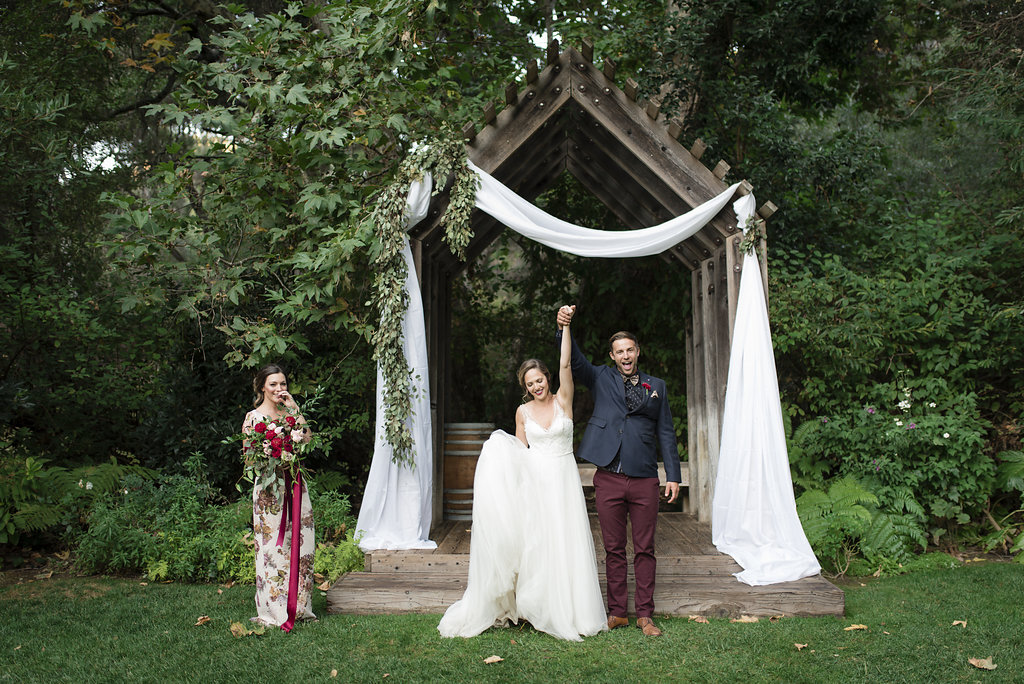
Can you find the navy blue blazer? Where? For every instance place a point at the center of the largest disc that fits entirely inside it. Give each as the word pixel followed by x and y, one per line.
pixel 634 435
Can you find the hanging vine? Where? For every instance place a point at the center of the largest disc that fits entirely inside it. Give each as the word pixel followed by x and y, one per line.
pixel 442 158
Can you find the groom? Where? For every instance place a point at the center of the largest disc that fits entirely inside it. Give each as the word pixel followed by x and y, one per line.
pixel 631 415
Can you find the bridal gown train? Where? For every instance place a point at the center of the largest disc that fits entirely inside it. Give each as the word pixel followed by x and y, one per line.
pixel 531 552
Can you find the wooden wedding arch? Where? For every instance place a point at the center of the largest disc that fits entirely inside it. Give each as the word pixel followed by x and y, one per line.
pixel 571 116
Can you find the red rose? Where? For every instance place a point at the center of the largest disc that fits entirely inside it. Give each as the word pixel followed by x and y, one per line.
pixel 646 386
pixel 259 427
pixel 276 453
pixel 276 444
pixel 290 420
pixel 271 434
pixel 287 446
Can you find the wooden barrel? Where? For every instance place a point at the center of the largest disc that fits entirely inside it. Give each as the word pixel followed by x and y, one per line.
pixel 462 443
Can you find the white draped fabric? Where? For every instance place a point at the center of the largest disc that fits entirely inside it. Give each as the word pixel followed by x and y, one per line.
pixel 753 515
pixel 396 504
pixel 396 508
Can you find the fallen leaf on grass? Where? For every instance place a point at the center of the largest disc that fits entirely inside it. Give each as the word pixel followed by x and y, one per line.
pixel 744 618
pixel 699 618
pixel 962 623
pixel 800 647
pixel 325 586
pixel 220 591
pixel 143 584
pixel 17 647
pixel 63 555
pixel 775 618
pixel 45 575
pixel 203 619
pixel 493 659
pixel 334 673
pixel 852 628
pixel 982 663
pixel 228 585
pixel 239 630
pixel 512 641
pixel 884 632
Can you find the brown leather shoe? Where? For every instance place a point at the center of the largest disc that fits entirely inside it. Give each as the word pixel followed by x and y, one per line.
pixel 648 627
pixel 615 622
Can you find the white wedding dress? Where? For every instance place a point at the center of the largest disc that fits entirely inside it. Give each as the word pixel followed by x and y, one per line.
pixel 531 553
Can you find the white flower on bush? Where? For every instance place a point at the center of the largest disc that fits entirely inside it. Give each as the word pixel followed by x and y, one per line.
pixel 945 435
pixel 899 423
pixel 88 485
pixel 904 404
pixel 931 404
pixel 81 483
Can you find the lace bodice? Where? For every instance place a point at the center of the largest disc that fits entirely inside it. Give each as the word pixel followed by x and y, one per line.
pixel 557 439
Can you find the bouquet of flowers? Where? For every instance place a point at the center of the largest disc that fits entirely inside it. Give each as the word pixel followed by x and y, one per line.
pixel 272 452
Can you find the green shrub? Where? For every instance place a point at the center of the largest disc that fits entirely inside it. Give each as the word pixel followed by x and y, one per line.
pixel 333 561
pixel 922 458
pixel 332 512
pixel 1009 528
pixel 177 527
pixel 36 497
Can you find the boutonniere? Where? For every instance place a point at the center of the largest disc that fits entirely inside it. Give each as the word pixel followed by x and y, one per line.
pixel 647 387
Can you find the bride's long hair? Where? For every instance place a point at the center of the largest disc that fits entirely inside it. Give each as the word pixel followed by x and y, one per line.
pixel 525 368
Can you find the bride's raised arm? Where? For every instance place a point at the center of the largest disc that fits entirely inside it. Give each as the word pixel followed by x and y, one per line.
pixel 565 382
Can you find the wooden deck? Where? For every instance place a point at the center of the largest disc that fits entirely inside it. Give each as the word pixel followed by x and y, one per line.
pixel 693 578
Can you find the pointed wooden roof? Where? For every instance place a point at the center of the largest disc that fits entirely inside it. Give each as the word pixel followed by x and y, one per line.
pixel 573 117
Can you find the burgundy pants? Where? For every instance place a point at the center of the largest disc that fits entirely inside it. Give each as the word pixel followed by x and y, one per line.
pixel 619 496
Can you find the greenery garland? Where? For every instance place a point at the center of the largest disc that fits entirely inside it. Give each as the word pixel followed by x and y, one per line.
pixel 753 236
pixel 442 157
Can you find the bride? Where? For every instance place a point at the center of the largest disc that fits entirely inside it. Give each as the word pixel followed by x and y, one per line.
pixel 531 553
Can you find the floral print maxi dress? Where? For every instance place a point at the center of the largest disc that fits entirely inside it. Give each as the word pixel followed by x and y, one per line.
pixel 272 561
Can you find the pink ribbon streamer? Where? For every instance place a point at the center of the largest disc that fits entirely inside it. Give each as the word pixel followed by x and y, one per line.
pixel 292 507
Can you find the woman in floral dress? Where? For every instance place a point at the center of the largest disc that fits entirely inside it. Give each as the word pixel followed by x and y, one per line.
pixel 277 416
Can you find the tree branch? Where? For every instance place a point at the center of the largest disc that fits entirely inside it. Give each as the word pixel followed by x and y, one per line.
pixel 144 102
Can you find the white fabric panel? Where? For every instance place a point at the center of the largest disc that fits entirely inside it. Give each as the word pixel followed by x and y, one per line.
pixel 753 516
pixel 530 221
pixel 397 501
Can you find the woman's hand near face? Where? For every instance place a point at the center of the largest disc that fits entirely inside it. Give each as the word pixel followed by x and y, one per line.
pixel 285 399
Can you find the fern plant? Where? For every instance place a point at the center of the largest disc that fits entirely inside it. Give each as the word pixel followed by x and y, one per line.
pixel 1009 528
pixel 836 520
pixel 36 496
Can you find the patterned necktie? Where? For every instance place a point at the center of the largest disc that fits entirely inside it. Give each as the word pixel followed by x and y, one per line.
pixel 634 394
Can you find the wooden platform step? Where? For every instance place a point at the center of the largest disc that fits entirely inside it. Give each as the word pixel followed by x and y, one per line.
pixel 370 593
pixel 423 562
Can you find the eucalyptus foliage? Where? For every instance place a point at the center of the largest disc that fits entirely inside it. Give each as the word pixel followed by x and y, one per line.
pixel 439 158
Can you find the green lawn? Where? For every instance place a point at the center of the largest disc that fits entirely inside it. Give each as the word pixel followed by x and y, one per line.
pixel 98 630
